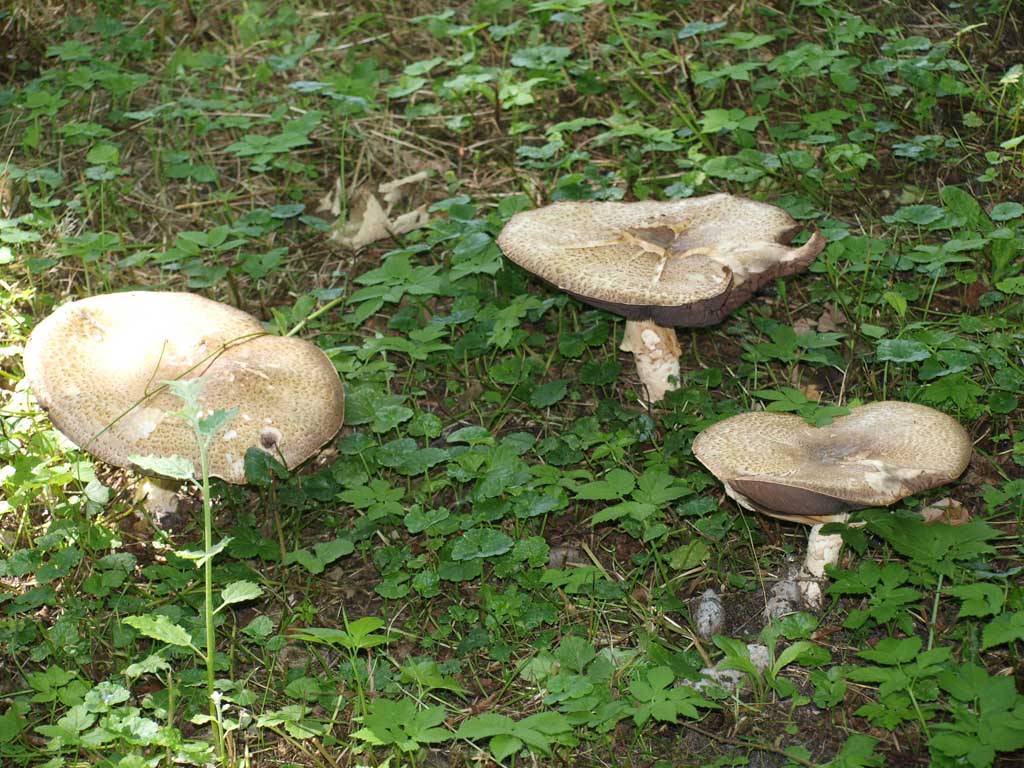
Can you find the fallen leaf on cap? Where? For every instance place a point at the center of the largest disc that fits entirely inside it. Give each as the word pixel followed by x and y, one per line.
pixel 948 511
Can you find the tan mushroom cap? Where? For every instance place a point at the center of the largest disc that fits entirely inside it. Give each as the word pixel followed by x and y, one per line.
pixel 681 262
pixel 778 464
pixel 92 362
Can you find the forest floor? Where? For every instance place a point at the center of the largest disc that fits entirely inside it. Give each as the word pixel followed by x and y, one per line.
pixel 498 559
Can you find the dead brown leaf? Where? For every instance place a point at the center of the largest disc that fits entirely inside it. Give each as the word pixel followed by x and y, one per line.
pixel 395 191
pixel 804 324
pixel 367 223
pixel 948 511
pixel 832 319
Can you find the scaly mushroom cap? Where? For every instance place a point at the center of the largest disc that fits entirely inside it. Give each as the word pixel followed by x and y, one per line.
pixel 97 366
pixel 778 464
pixel 682 262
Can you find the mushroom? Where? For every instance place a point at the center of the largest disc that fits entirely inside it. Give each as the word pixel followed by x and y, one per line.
pixel 778 464
pixel 659 264
pixel 97 367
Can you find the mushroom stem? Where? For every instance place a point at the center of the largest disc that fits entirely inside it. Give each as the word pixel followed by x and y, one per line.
pixel 822 550
pixel 159 496
pixel 656 351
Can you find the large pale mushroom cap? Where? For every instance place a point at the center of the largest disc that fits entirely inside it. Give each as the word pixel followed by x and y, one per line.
pixel 778 464
pixel 97 365
pixel 682 262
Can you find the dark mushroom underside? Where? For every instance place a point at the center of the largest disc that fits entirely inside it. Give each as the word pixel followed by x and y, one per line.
pixel 777 499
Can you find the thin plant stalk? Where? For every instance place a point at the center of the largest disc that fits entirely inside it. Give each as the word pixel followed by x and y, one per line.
pixel 211 639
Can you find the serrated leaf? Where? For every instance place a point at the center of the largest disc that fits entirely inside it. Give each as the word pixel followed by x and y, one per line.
pixel 174 467
pixel 979 599
pixel 159 627
pixel 200 556
pixel 548 394
pixel 1014 285
pixel 239 592
pixel 616 484
pixel 211 424
pixel 1003 629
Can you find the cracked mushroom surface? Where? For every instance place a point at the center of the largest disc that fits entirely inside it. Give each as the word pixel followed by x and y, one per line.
pixel 779 465
pixel 659 264
pixel 97 365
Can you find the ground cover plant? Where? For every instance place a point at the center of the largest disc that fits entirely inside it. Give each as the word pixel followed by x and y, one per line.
pixel 497 560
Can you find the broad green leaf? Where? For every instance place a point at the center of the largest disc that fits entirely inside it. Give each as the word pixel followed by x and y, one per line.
pixel 159 627
pixel 211 424
pixel 200 556
pixel 481 542
pixel 979 599
pixel 1006 211
pixel 485 725
pixel 916 214
pixel 174 467
pixel 693 554
pixel 616 484
pixel 1003 629
pixel 902 351
pixel 240 592
pixel 891 650
pixel 548 394
pixel 803 651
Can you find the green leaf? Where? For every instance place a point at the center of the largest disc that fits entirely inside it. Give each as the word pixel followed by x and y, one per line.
pixel 324 553
pixel 857 752
pixel 891 650
pixel 1006 211
pixel 504 745
pixel 481 542
pixel 896 301
pixel 211 424
pixel 200 556
pixel 979 599
pixel 11 724
pixel 963 204
pixel 737 655
pixel 261 467
pixel 1014 285
pixel 616 484
pixel 159 627
pixel 1003 629
pixel 548 394
pixel 174 467
pixel 239 592
pixel 484 726
pixel 690 555
pixel 916 214
pixel 600 372
pixel 359 635
pixel 103 154
pixel 902 351
pixel 803 651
